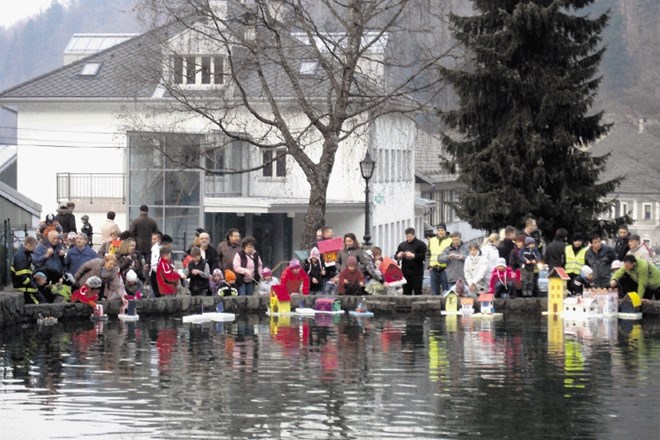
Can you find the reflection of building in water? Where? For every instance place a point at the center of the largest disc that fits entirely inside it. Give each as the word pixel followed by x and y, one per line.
pixel 555 335
pixel 480 345
pixel 588 329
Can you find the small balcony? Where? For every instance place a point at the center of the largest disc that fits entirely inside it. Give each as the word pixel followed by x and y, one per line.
pixel 90 187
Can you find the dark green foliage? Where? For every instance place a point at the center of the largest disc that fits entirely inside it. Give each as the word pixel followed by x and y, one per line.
pixel 522 116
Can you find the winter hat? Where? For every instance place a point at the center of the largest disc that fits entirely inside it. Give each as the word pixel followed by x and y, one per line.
pixel 529 240
pixel 294 263
pixel 230 276
pixel 441 226
pixel 351 261
pixel 314 253
pixel 586 271
pixel 84 217
pixel 501 262
pixel 131 276
pixel 40 275
pixel 218 272
pixel 93 282
pixel 616 264
pixel 266 271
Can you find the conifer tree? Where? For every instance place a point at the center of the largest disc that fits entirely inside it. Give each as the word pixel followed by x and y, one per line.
pixel 522 120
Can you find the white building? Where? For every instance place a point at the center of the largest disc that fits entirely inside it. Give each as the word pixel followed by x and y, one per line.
pixel 98 134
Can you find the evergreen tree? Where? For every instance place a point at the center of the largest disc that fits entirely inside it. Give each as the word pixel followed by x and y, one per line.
pixel 522 117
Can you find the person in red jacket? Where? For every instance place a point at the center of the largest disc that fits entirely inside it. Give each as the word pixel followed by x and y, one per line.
pixel 351 280
pixel 501 280
pixel 293 277
pixel 166 275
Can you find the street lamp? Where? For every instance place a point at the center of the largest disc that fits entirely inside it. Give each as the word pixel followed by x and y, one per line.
pixel 367 166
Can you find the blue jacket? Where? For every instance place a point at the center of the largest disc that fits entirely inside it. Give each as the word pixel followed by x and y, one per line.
pixel 54 263
pixel 76 258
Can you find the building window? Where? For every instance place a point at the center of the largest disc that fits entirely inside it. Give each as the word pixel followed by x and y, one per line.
pixel 648 212
pixel 198 70
pixel 624 209
pixel 90 69
pixel 277 167
pixel 308 67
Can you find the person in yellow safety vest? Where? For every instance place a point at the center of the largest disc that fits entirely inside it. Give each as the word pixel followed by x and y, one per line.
pixel 575 255
pixel 21 273
pixel 437 244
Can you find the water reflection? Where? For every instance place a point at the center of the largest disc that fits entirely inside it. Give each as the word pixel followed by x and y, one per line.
pixel 343 377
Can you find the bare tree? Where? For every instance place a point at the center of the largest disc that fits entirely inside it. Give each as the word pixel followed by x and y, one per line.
pixel 308 74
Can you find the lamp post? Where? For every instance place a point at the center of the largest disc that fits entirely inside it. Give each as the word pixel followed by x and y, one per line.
pixel 367 166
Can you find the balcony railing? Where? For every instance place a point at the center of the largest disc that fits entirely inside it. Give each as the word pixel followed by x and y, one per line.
pixel 90 187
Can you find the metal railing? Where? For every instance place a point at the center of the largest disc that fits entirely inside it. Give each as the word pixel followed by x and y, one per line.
pixel 88 186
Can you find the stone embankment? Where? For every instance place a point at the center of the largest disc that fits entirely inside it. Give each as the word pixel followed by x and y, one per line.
pixel 14 311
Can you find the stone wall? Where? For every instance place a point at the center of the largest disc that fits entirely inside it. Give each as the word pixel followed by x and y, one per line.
pixel 14 311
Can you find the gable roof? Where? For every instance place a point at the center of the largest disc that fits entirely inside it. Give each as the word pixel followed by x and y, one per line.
pixel 634 156
pixel 125 73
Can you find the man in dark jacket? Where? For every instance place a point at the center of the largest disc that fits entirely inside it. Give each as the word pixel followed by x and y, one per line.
pixel 411 253
pixel 508 243
pixel 599 258
pixel 141 229
pixel 66 219
pixel 78 255
pixel 621 244
pixel 21 273
pixel 555 252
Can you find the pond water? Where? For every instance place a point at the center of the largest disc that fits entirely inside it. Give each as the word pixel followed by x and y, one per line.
pixel 397 377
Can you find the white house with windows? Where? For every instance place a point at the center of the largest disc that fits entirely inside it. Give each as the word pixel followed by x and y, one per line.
pixel 100 134
pixel 635 156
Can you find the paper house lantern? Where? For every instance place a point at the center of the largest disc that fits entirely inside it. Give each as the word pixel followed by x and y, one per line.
pixel 391 271
pixel 327 304
pixel 280 299
pixel 486 301
pixel 467 306
pixel 557 290
pixel 451 302
pixel 329 249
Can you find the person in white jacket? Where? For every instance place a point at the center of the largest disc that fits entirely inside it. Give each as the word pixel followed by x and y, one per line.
pixel 476 270
pixel 489 250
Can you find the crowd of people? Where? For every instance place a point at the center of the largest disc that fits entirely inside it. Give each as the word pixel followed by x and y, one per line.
pixel 61 264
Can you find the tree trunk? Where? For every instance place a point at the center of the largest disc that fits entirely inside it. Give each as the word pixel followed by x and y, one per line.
pixel 315 215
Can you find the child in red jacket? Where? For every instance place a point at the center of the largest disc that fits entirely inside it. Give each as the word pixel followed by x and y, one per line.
pixel 294 277
pixel 501 280
pixel 166 275
pixel 351 280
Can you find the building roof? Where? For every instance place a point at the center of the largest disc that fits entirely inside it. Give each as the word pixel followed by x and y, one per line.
pixel 428 156
pixel 635 156
pixel 131 69
pixel 28 205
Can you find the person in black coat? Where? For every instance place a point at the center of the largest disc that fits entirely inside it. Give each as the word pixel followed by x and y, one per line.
pixel 556 251
pixel 599 257
pixel 411 254
pixel 21 273
pixel 66 219
pixel 621 244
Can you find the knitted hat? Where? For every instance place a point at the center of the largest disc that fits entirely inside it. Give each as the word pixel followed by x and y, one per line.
pixel 131 276
pixel 93 282
pixel 586 271
pixel 351 261
pixel 529 240
pixel 314 253
pixel 441 226
pixel 230 276
pixel 294 263
pixel 40 275
pixel 616 264
pixel 218 272
pixel 501 262
pixel 266 271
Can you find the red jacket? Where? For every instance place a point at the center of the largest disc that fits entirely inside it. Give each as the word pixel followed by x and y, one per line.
pixel 504 276
pixel 292 281
pixel 168 278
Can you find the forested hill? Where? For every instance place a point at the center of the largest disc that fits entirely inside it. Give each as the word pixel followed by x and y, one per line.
pixel 630 87
pixel 36 45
